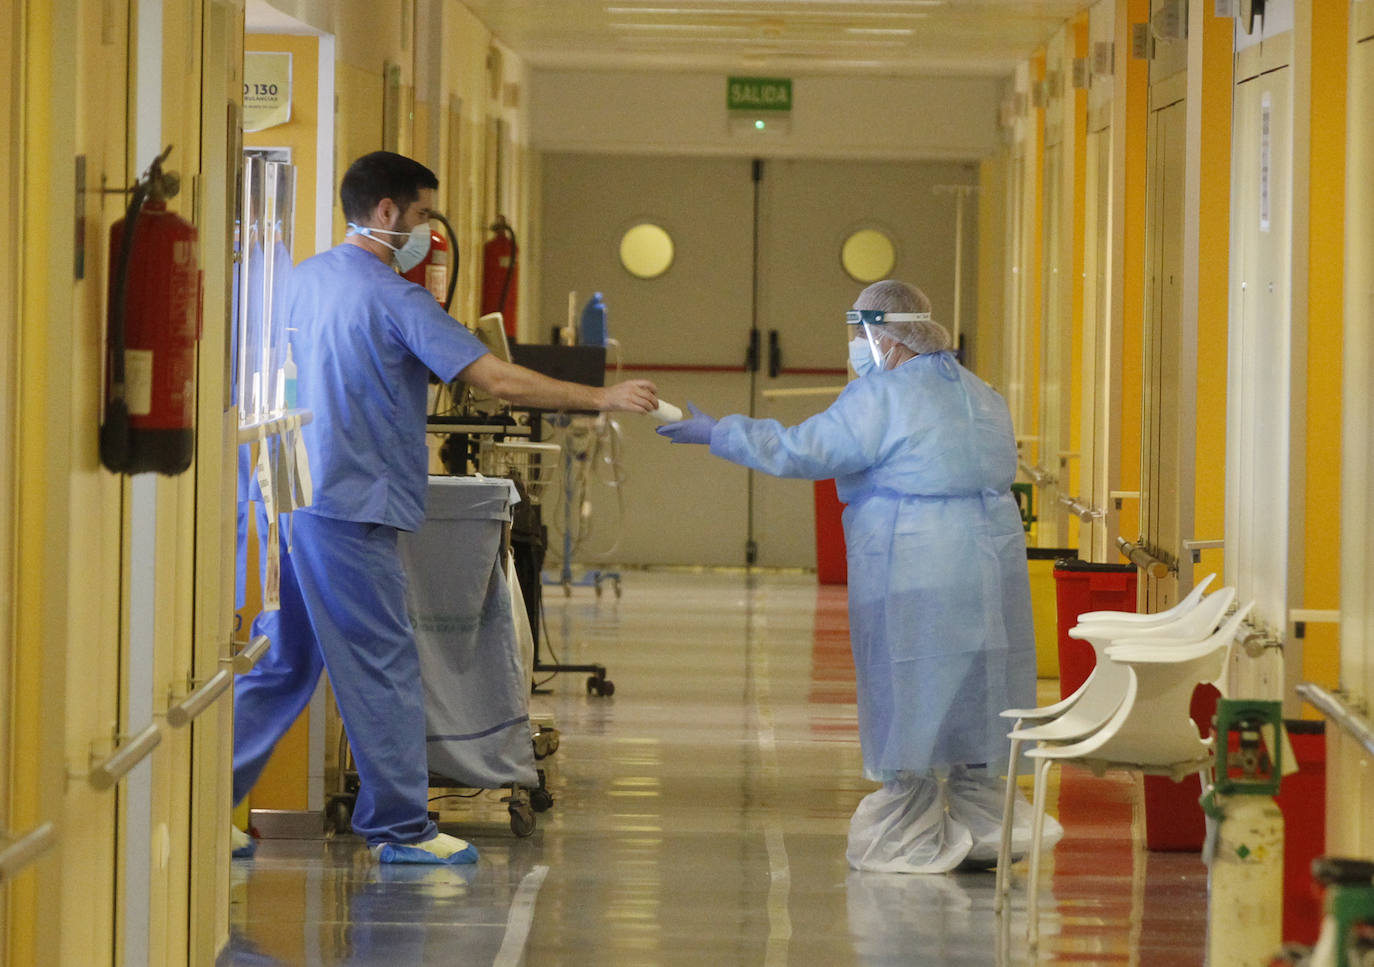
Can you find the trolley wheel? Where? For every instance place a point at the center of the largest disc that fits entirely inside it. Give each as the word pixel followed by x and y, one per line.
pixel 545 743
pixel 521 819
pixel 540 798
pixel 596 685
pixel 340 814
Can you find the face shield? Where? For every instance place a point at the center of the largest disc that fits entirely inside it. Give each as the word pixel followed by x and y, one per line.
pixel 868 324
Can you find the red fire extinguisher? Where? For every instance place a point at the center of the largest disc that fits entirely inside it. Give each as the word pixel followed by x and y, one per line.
pixel 500 272
pixel 154 323
pixel 434 272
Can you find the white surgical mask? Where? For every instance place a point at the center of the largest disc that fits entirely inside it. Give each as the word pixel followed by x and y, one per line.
pixel 410 253
pixel 861 356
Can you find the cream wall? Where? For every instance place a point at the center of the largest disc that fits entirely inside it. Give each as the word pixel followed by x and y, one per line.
pixel 629 112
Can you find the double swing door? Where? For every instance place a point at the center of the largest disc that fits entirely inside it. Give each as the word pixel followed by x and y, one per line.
pixel 748 318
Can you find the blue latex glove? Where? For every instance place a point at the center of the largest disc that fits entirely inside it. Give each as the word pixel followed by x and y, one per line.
pixel 696 429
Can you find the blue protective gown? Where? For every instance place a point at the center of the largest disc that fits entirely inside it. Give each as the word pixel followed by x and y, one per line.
pixel 365 341
pixel 939 597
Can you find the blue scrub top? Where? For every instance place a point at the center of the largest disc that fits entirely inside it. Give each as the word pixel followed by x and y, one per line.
pixel 365 342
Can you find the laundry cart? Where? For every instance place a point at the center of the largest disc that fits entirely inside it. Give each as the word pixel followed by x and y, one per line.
pixel 475 677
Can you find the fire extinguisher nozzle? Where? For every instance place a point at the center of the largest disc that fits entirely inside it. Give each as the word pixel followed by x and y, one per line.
pixel 114 437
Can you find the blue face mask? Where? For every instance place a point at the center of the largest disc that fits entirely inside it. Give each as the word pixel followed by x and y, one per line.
pixel 411 252
pixel 861 356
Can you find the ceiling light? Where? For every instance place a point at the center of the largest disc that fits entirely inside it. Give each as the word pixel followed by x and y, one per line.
pixel 881 31
pixel 715 14
pixel 779 6
pixel 710 28
pixel 771 43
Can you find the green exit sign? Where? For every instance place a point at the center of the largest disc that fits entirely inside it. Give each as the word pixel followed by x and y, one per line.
pixel 758 94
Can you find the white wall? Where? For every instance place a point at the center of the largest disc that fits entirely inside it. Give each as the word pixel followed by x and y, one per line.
pixel 631 112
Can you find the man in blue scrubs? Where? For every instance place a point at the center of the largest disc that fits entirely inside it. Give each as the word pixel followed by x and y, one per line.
pixel 365 343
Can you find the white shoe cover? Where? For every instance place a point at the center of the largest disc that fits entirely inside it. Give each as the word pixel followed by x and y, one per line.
pixel 904 828
pixel 240 843
pixel 442 849
pixel 975 800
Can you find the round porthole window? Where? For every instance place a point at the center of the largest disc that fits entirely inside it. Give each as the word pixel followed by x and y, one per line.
pixel 868 255
pixel 646 250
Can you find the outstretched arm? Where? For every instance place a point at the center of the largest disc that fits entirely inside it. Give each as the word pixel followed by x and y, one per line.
pixel 525 387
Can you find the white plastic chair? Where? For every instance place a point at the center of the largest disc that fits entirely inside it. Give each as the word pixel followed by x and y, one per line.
pixel 1152 731
pixel 1186 604
pixel 1097 699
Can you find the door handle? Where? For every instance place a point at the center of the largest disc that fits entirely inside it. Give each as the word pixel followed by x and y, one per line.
pixel 751 355
pixel 774 355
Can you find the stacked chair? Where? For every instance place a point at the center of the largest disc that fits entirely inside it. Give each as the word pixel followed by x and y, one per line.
pixel 1132 712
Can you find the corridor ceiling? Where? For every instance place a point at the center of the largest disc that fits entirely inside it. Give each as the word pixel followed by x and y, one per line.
pixel 835 36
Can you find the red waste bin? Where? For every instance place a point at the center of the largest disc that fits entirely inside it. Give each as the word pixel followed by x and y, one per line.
pixel 1173 816
pixel 1079 587
pixel 832 567
pixel 1302 799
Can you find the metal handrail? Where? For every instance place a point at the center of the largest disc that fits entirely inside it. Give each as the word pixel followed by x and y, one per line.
pixel 1143 559
pixel 19 853
pixel 1038 476
pixel 118 765
pixel 182 713
pixel 243 660
pixel 1335 708
pixel 1084 512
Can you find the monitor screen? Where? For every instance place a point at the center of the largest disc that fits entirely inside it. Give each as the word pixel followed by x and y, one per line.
pixel 575 364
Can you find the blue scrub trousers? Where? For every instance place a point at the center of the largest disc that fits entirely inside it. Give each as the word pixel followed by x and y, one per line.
pixel 343 609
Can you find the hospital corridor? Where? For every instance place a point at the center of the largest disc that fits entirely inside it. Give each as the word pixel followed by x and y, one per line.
pixel 552 483
pixel 701 818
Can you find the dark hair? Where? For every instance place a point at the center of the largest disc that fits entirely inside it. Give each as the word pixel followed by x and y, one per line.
pixel 382 174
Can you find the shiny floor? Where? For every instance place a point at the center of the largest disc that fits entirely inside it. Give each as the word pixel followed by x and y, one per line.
pixel 700 817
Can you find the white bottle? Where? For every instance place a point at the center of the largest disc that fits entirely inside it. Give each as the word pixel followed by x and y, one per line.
pixel 290 371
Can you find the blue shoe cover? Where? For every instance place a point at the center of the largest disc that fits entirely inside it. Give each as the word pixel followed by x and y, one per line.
pixel 442 850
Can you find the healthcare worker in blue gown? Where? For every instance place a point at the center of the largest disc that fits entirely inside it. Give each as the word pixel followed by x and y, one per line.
pixel 922 453
pixel 365 342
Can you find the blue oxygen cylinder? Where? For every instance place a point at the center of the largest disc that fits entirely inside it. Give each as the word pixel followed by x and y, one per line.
pixel 592 329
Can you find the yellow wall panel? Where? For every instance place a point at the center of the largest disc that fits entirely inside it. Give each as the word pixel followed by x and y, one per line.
pixel 988 352
pixel 1325 338
pixel 1214 232
pixel 1075 483
pixel 1033 260
pixel 1136 74
pixel 12 199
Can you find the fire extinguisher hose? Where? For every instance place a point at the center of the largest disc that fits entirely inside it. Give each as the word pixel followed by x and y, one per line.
pixel 453 244
pixel 114 432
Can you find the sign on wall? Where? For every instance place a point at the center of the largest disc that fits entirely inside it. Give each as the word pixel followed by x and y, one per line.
pixel 758 94
pixel 266 89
